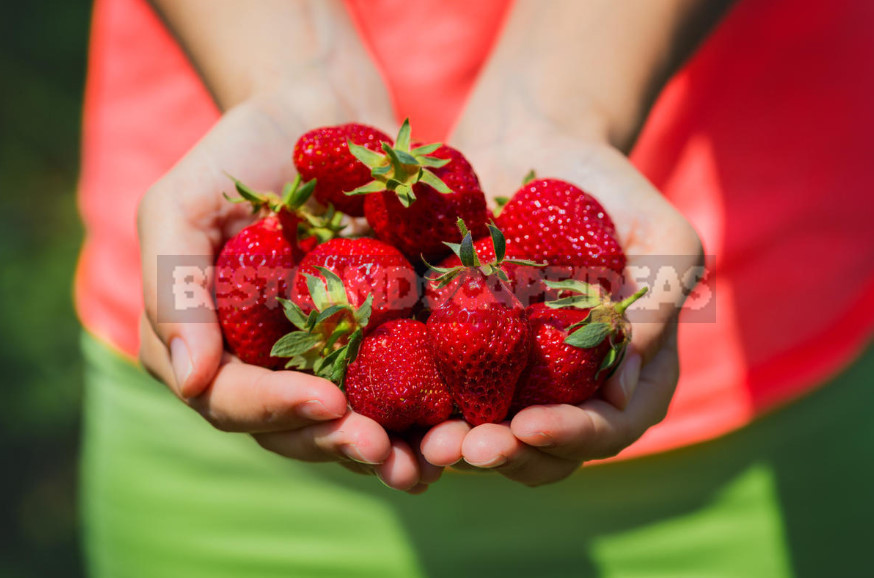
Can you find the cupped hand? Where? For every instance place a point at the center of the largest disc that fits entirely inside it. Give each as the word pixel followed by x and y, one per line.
pixel 544 444
pixel 293 414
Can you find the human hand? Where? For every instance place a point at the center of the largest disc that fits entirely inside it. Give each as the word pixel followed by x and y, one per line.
pixel 544 444
pixel 295 415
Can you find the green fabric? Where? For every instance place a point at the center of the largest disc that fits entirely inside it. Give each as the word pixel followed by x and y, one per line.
pixel 164 495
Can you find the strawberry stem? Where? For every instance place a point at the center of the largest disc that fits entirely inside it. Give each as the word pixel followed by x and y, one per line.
pixel 624 304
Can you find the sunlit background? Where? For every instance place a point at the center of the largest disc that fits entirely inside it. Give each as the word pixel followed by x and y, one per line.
pixel 42 58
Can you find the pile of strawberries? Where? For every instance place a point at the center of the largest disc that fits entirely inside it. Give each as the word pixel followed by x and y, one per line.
pixel 413 344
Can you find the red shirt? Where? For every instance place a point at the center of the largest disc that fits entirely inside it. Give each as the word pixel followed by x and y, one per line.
pixel 761 141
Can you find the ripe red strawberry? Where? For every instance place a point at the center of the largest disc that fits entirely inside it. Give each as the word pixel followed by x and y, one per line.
pixel 367 267
pixel 252 268
pixel 323 154
pixel 394 380
pixel 255 266
pixel 576 343
pixel 479 335
pixel 417 195
pixel 553 221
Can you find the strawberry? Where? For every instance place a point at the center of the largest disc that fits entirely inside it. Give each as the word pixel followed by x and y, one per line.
pixel 418 194
pixel 479 335
pixel 323 154
pixel 577 341
pixel 554 221
pixel 367 267
pixel 254 267
pixel 394 380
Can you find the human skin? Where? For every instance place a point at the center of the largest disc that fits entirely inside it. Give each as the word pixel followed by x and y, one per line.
pixel 571 112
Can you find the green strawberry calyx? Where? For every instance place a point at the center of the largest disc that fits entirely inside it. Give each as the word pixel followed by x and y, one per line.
pixel 470 260
pixel 604 320
pixel 327 340
pixel 400 167
pixel 292 201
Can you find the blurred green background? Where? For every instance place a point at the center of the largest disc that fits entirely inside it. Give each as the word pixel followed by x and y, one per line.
pixel 42 56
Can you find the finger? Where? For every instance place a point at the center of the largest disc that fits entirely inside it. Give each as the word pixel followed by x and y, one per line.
pixel 620 388
pixel 597 429
pixel 493 446
pixel 441 446
pixel 418 489
pixel 428 472
pixel 400 470
pixel 352 437
pixel 251 399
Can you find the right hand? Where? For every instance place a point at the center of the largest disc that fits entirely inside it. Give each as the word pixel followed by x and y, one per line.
pixel 296 415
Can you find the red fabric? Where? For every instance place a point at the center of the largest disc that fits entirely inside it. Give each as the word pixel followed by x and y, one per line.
pixel 761 141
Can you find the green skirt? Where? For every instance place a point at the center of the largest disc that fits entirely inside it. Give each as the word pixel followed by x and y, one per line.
pixel 165 495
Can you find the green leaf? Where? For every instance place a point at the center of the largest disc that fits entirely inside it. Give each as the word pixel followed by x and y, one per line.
pixel 588 336
pixel 336 289
pixel 365 155
pixel 303 193
pixel 339 365
pixel 294 344
pixel 462 227
pixel 406 158
pixel 355 344
pixel 403 140
pixel 318 292
pixel 288 189
pixel 498 241
pixel 330 312
pixel 575 286
pixel 293 313
pixel 362 314
pixel 434 181
pixel 405 194
pixel 525 262
pixel 426 149
pixel 467 253
pixel 456 249
pixel 392 155
pixel 578 301
pixel 608 361
pixel 529 176
pixel 371 187
pixel 432 162
pixel 247 193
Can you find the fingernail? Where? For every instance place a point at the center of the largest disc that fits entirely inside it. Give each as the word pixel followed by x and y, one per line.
pixel 181 360
pixel 352 452
pixel 493 463
pixel 541 440
pixel 630 375
pixel 316 410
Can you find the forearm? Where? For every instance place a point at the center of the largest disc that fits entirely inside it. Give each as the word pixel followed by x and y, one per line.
pixel 305 53
pixel 589 68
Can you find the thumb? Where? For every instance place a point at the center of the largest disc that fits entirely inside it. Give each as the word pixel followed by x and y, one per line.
pixel 177 271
